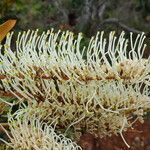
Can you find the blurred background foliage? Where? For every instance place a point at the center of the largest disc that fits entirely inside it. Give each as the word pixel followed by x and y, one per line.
pixel 87 16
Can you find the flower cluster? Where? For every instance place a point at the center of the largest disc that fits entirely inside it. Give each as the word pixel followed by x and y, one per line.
pixel 29 132
pixel 99 88
pixel 52 55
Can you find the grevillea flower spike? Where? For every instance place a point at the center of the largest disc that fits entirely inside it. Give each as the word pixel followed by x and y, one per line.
pixel 58 55
pixel 29 132
pixel 99 87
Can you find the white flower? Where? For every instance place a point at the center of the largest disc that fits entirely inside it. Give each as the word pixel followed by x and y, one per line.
pixel 58 55
pixel 29 132
pixel 79 87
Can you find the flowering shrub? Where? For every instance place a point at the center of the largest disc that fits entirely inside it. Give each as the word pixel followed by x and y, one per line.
pixel 102 88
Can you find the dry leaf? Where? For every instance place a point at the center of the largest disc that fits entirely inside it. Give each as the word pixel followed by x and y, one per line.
pixel 6 27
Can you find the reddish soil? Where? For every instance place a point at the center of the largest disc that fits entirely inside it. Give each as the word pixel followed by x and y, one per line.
pixel 138 139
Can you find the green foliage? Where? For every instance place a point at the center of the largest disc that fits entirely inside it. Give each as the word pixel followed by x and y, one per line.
pixel 147 115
